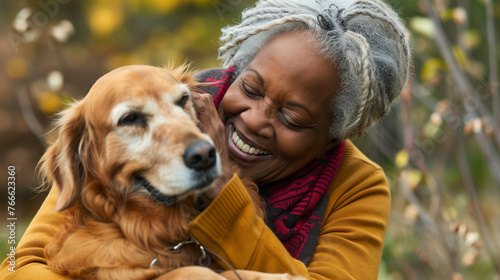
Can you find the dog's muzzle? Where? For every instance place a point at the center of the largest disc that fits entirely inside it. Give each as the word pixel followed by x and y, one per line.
pixel 200 156
pixel 167 200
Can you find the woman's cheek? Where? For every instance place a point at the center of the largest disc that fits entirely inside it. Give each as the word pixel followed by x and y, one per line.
pixel 293 144
pixel 230 102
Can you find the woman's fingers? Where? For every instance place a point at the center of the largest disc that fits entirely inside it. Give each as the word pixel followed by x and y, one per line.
pixel 212 125
pixel 209 118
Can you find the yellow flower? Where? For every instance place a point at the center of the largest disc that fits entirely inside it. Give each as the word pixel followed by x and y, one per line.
pixel 104 18
pixel 16 67
pixel 162 6
pixel 202 3
pixel 414 178
pixel 402 159
pixel 49 102
pixel 423 26
pixel 460 56
pixel 431 68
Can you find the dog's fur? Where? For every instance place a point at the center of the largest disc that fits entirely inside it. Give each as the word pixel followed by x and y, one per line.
pixel 114 227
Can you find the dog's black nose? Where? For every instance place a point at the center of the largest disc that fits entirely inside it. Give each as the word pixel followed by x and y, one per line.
pixel 200 156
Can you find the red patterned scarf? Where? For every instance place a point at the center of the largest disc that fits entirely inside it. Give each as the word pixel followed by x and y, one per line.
pixel 295 205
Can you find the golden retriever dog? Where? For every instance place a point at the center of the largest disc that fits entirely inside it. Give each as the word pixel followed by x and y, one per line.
pixel 128 162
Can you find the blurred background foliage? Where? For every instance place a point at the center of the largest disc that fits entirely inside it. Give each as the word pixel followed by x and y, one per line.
pixel 440 145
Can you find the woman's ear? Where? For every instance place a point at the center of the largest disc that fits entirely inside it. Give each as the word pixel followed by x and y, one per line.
pixel 61 164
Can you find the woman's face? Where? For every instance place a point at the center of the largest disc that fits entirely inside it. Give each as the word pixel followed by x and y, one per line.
pixel 276 113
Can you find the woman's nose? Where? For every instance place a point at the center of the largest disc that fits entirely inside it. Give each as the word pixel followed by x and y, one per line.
pixel 258 120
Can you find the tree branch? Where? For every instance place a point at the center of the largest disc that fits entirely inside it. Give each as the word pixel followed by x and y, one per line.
pixel 29 116
pixel 465 87
pixel 492 54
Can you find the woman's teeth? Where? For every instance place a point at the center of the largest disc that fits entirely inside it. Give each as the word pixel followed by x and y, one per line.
pixel 245 147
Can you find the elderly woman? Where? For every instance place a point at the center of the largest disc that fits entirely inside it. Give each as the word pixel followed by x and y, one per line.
pixel 301 77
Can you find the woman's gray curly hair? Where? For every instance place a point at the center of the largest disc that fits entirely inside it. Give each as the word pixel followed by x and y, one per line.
pixel 365 39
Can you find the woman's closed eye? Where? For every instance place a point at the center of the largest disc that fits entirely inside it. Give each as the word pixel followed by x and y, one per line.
pixel 250 91
pixel 291 122
pixel 284 116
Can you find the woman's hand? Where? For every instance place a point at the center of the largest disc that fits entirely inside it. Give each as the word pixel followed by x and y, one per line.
pixel 211 124
pixel 192 273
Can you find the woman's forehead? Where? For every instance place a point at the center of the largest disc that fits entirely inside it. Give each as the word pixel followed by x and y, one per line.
pixel 291 62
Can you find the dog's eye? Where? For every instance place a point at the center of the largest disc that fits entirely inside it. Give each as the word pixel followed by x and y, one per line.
pixel 133 118
pixel 182 102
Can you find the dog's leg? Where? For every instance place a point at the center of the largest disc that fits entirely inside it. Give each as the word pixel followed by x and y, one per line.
pixel 103 256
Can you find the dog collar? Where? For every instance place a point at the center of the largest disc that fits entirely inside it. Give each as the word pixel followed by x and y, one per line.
pixel 204 259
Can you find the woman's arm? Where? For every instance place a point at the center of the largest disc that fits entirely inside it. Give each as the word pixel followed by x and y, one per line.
pixel 352 235
pixel 230 227
pixel 30 259
pixel 350 241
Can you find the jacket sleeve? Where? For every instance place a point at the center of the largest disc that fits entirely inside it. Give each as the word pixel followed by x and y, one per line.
pixel 30 259
pixel 349 244
pixel 352 236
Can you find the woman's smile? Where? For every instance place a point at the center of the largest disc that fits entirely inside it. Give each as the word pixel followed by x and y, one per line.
pixel 245 147
pixel 240 148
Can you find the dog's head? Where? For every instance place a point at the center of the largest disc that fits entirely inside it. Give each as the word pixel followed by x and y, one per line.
pixel 136 130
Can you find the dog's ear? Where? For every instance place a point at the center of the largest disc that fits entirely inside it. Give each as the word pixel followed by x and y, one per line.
pixel 182 74
pixel 61 164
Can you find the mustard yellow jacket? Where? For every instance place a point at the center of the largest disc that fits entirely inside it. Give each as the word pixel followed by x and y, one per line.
pixel 349 245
